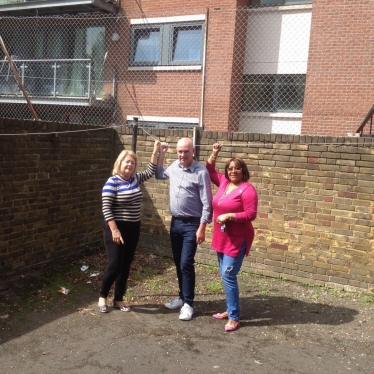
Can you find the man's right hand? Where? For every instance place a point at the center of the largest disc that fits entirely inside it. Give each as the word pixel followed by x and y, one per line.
pixel 164 147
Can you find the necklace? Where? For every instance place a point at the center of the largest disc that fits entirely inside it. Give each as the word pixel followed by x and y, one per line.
pixel 230 187
pixel 126 180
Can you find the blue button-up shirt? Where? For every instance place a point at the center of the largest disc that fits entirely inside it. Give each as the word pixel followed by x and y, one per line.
pixel 190 190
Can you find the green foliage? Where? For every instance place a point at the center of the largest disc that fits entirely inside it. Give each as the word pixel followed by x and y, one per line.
pixel 367 299
pixel 214 286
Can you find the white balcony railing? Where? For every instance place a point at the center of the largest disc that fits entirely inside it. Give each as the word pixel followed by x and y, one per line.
pixel 52 79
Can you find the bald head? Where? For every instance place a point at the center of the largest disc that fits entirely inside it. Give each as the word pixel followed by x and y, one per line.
pixel 185 152
pixel 185 142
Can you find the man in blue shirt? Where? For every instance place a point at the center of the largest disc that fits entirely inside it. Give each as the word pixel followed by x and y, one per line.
pixel 191 209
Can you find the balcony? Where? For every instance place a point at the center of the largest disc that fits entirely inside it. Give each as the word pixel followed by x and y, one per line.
pixel 74 82
pixel 55 7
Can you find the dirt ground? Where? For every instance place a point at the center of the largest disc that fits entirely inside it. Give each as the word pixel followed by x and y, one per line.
pixel 49 323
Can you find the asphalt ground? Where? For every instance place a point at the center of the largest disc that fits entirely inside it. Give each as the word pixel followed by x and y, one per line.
pixel 286 327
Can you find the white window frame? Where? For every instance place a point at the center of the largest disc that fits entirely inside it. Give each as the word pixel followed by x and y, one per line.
pixel 164 122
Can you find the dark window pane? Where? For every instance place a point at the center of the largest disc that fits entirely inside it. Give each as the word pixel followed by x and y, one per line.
pixel 146 45
pixel 266 2
pixel 290 93
pixel 287 2
pixel 187 43
pixel 258 93
pixel 278 2
pixel 273 93
pixel 95 49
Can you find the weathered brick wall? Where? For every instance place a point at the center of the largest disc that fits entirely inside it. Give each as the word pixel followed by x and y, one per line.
pixel 341 31
pixel 315 219
pixel 50 203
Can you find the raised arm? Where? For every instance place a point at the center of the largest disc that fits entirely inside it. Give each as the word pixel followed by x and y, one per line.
pixel 215 151
pixel 160 171
pixel 156 152
pixel 163 149
pixel 151 169
pixel 215 177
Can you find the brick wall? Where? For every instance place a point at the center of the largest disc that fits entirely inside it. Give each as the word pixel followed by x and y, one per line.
pixel 316 210
pixel 315 220
pixel 50 203
pixel 340 67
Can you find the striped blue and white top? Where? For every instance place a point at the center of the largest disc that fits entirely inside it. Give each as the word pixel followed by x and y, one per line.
pixel 121 199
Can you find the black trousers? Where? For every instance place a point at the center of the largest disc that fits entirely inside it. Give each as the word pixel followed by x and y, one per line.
pixel 120 257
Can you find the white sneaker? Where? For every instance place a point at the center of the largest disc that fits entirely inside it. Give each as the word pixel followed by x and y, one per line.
pixel 174 304
pixel 186 312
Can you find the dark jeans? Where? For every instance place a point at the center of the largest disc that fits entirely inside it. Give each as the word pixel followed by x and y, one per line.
pixel 120 258
pixel 183 245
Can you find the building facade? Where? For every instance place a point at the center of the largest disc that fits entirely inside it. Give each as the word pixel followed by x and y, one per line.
pixel 260 66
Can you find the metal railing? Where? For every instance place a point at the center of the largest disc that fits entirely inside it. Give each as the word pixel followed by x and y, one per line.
pixel 20 2
pixel 49 79
pixel 6 2
pixel 368 119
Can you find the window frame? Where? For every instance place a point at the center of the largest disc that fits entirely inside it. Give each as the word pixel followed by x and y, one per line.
pixel 273 92
pixel 166 43
pixel 42 46
pixel 133 45
pixel 281 3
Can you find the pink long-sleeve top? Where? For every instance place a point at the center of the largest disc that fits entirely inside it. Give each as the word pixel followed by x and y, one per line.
pixel 243 203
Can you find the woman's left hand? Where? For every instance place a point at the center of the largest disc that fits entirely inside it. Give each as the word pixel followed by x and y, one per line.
pixel 223 218
pixel 117 237
pixel 217 148
pixel 156 147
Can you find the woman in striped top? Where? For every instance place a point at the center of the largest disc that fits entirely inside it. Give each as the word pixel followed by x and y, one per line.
pixel 121 202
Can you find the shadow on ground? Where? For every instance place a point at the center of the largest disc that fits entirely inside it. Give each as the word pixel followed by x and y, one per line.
pixel 269 310
pixel 30 300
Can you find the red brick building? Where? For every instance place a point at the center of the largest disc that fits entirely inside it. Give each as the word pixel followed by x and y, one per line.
pixel 340 77
pixel 262 66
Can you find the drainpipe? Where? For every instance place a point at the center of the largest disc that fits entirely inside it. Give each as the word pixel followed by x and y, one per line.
pixel 134 134
pixel 195 140
pixel 204 69
pixel 114 84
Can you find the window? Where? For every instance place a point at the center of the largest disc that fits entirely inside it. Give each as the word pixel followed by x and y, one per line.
pixel 57 61
pixel 278 2
pixel 273 93
pixel 147 46
pixel 179 43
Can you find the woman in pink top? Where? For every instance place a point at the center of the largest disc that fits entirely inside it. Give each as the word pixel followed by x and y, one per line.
pixel 235 207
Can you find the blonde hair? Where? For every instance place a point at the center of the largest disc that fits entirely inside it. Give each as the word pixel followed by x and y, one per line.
pixel 120 158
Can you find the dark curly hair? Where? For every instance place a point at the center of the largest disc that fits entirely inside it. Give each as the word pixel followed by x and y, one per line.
pixel 239 163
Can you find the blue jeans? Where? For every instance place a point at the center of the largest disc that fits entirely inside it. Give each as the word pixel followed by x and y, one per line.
pixel 183 245
pixel 229 268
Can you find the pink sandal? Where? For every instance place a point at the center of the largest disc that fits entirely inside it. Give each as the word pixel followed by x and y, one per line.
pixel 220 316
pixel 232 328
